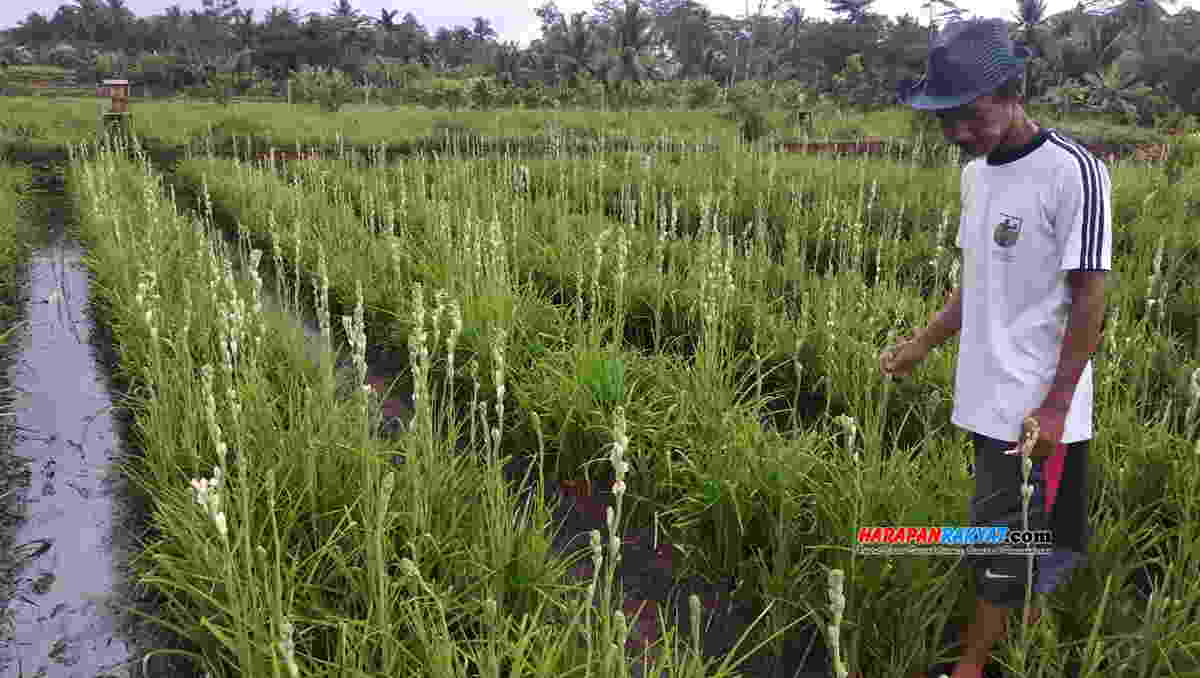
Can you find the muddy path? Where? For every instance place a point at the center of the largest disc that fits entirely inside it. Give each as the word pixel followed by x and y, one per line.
pixel 77 520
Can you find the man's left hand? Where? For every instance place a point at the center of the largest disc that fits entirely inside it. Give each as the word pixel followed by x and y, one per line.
pixel 1050 424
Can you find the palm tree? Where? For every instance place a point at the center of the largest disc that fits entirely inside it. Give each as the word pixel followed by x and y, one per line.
pixel 1102 42
pixel 172 24
pixel 343 8
pixel 855 11
pixel 1115 91
pixel 1030 16
pixel 633 35
pixel 481 29
pixel 793 21
pixel 508 63
pixel 244 28
pixel 118 20
pixel 574 45
pixel 687 33
pixel 88 18
pixel 385 28
pixel 1141 16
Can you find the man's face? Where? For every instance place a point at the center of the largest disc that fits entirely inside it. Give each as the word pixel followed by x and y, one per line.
pixel 979 127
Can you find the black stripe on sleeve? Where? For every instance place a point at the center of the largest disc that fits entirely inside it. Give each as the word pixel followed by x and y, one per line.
pixel 1091 199
pixel 1094 238
pixel 1106 189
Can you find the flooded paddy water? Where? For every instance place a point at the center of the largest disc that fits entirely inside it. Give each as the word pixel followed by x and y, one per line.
pixel 76 521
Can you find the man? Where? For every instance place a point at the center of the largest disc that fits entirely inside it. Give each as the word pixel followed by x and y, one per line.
pixel 1036 239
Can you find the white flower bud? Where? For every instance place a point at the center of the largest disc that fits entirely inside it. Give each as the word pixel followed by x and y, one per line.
pixel 409 569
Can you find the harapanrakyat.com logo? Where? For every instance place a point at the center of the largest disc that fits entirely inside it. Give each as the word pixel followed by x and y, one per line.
pixel 952 541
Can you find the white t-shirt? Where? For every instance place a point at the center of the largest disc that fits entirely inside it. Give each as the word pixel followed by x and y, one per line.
pixel 1027 219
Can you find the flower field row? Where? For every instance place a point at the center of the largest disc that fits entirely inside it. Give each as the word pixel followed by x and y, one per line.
pixel 13 255
pixel 550 326
pixel 13 182
pixel 860 227
pixel 304 552
pixel 147 236
pixel 748 496
pixel 802 212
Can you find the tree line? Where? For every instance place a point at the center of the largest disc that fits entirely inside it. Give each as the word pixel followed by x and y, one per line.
pixel 1119 56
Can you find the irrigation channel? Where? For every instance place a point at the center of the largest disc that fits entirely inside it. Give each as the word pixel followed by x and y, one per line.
pixel 82 521
pixel 78 519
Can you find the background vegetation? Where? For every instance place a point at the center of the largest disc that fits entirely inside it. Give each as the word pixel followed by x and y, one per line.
pixel 1132 61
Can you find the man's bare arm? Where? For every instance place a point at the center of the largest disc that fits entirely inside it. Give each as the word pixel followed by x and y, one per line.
pixel 1082 336
pixel 945 324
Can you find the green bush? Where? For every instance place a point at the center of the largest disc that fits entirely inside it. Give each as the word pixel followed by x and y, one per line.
pixel 538 96
pixel 328 87
pixel 442 93
pixel 745 93
pixel 924 124
pixel 483 94
pixel 702 93
pixel 857 86
pixel 587 92
pixel 750 117
pixel 1183 156
pixel 242 127
pixel 1177 119
pixel 789 95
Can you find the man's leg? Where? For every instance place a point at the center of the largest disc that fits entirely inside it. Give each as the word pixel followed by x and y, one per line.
pixel 995 504
pixel 986 629
pixel 1001 580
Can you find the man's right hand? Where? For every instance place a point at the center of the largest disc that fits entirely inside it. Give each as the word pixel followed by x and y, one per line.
pixel 900 359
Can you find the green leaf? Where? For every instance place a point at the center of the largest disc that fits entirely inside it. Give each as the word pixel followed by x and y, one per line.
pixel 607 380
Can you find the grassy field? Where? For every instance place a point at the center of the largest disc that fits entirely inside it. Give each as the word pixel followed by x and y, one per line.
pixel 698 332
pixel 50 122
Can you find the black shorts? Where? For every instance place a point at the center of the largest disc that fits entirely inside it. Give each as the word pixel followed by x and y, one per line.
pixel 1002 579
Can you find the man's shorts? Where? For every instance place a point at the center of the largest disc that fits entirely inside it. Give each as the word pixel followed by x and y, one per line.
pixel 1001 579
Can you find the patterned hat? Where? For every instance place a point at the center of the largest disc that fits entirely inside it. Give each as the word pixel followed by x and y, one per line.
pixel 967 60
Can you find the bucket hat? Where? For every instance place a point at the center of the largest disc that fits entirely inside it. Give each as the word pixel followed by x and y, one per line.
pixel 967 59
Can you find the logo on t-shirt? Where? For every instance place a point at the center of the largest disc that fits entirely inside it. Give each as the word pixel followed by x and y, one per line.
pixel 1008 230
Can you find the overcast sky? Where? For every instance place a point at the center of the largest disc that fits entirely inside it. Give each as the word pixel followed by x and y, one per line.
pixel 512 19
